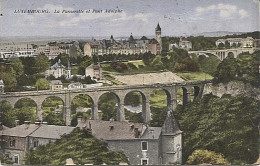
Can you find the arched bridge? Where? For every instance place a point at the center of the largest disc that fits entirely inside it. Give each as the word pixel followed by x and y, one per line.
pixel 119 91
pixel 223 53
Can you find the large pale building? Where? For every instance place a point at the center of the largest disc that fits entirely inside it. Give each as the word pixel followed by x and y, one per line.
pixel 50 51
pixel 130 46
pixel 94 71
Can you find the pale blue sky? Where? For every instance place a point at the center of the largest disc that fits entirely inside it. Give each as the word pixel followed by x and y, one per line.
pixel 176 17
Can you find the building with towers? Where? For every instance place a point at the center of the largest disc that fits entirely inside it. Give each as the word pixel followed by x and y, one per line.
pixel 158 33
pixel 57 70
pixel 128 47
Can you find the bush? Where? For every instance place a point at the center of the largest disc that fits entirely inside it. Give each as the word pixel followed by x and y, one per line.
pixel 206 157
pixel 131 66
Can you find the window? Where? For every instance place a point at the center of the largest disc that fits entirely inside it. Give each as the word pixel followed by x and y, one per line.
pixel 12 143
pixel 16 159
pixel 144 145
pixel 35 143
pixel 144 161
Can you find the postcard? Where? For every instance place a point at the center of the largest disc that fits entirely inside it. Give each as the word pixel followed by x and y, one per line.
pixel 113 82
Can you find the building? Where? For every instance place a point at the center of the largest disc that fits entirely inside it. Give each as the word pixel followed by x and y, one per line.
pixel 2 86
pixel 51 51
pixel 16 142
pixel 239 42
pixel 129 46
pixel 183 44
pixel 56 85
pixel 58 70
pixel 17 51
pixel 75 85
pixel 94 71
pixel 141 143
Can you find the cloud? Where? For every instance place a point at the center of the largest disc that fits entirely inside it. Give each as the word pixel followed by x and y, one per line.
pixel 226 11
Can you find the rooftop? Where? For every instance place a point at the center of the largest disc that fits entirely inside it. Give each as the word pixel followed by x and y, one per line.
pixel 119 130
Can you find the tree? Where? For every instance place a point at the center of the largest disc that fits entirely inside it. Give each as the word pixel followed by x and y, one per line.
pixel 227 44
pixel 157 63
pixel 209 65
pixel 226 125
pixel 148 57
pixel 226 70
pixel 221 45
pixel 79 145
pixel 17 65
pixel 86 61
pixel 206 157
pixel 42 84
pixel 6 118
pixel 41 63
pixel 8 75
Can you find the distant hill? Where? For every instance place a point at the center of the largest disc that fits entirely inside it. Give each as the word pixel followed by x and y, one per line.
pixel 218 33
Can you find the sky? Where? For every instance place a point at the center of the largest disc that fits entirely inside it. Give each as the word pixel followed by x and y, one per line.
pixel 139 17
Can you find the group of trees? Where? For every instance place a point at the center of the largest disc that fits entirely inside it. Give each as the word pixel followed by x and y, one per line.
pixel 79 145
pixel 23 71
pixel 29 71
pixel 180 61
pixel 118 57
pixel 226 125
pixel 244 68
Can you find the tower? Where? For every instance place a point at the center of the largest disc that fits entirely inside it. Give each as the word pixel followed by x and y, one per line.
pixel 158 33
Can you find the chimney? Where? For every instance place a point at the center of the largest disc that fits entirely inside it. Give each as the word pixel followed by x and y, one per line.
pixel 132 126
pixel 17 122
pixel 136 132
pixel 111 127
pixel 79 119
pixel 27 124
pixel 37 123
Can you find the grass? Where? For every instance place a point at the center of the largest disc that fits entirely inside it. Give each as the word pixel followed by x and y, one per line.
pixel 74 70
pixel 140 70
pixel 113 80
pixel 194 76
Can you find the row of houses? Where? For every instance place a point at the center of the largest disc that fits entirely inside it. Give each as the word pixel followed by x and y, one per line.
pixel 51 50
pixel 130 46
pixel 142 144
pixel 248 42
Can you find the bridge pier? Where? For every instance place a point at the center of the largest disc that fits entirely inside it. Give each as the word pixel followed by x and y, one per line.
pixel 186 95
pixel 39 112
pixel 120 112
pixel 94 111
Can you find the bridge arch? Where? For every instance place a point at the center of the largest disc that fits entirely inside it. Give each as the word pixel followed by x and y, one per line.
pixel 135 106
pixel 52 109
pixel 160 104
pixel 109 106
pixel 231 54
pixel 81 105
pixel 28 106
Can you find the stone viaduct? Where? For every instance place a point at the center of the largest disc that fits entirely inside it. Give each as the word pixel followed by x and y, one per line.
pixel 222 54
pixel 119 91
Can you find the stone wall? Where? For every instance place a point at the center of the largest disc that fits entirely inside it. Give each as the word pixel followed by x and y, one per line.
pixel 133 150
pixel 233 88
